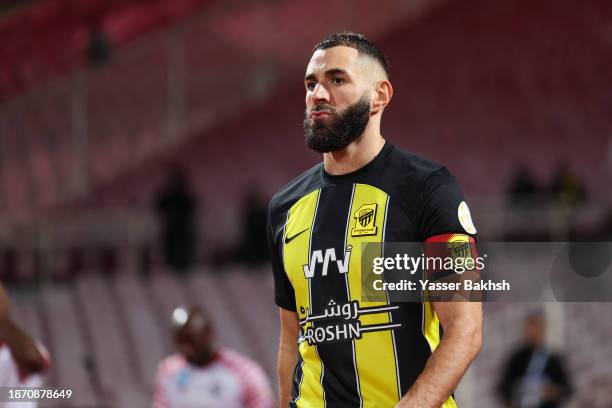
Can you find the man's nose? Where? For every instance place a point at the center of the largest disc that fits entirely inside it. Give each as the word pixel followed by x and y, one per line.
pixel 320 93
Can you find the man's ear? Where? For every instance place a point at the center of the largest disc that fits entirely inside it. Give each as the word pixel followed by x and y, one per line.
pixel 383 94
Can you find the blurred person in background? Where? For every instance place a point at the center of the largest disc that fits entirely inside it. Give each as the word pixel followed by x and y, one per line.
pixel 533 376
pixel 252 249
pixel 205 375
pixel 522 188
pixel 366 190
pixel 566 187
pixel 176 207
pixel 9 260
pixel 23 361
pixel 99 47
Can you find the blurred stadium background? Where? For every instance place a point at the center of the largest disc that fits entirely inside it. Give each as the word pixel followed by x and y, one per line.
pixel 100 100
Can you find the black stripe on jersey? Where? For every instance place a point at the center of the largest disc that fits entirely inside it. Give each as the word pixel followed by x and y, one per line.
pixel 298 377
pixel 348 291
pixel 340 385
pixel 413 349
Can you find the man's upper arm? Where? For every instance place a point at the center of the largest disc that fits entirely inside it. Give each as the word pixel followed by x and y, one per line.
pixel 442 208
pixel 442 213
pixel 289 323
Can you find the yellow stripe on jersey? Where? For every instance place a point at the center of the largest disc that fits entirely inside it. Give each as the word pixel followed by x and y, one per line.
pixel 300 221
pixel 375 352
pixel 449 403
pixel 431 326
pixel 431 330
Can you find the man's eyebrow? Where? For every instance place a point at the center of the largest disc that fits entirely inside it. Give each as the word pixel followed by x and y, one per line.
pixel 334 71
pixel 329 72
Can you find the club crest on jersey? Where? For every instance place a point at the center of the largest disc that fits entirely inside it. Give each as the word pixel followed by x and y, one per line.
pixel 365 221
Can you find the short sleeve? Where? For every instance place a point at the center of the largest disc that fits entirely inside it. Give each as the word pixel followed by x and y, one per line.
pixel 284 295
pixel 442 208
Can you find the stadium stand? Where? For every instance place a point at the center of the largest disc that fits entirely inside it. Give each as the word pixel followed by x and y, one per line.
pixel 151 96
pixel 106 335
pixel 582 335
pixel 48 39
pixel 518 112
pixel 123 364
pixel 147 329
pixel 102 318
pixel 71 352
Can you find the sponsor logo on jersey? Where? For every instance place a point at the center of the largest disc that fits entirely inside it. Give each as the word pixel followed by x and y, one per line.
pixel 288 238
pixel 340 322
pixel 319 257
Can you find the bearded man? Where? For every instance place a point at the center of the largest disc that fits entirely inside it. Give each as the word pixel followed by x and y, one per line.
pixel 378 354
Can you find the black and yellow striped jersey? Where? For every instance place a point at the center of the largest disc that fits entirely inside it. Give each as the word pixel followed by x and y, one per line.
pixel 372 353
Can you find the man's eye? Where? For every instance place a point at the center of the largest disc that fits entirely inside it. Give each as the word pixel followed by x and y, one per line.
pixel 310 85
pixel 338 80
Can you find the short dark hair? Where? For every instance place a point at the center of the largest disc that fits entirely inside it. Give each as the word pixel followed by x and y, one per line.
pixel 357 41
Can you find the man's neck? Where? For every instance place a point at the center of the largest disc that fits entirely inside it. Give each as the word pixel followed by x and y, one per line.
pixel 206 360
pixel 354 156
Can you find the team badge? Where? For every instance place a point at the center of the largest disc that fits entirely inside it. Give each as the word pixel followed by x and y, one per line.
pixel 459 246
pixel 459 249
pixel 365 221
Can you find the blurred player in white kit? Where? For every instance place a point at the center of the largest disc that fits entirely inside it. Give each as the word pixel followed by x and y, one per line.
pixel 205 375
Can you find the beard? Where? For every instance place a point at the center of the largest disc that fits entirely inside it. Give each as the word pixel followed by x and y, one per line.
pixel 338 130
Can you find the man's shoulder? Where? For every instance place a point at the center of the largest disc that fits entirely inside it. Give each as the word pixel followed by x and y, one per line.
pixel 298 187
pixel 238 362
pixel 416 172
pixel 171 364
pixel 413 164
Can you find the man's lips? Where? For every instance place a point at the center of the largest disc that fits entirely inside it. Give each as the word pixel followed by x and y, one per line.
pixel 319 114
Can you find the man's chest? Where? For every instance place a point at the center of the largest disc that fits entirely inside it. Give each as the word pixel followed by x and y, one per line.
pixel 327 230
pixel 329 233
pixel 216 387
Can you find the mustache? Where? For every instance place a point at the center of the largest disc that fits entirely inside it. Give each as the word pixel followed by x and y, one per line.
pixel 323 107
